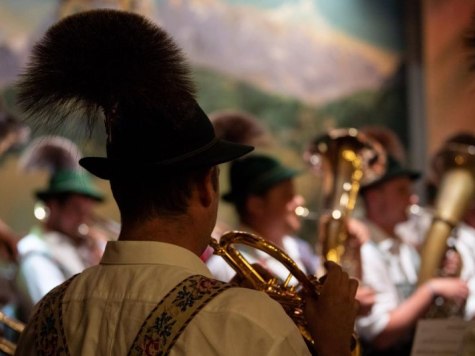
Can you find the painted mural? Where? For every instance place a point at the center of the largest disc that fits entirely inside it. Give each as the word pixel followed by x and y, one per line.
pixel 300 66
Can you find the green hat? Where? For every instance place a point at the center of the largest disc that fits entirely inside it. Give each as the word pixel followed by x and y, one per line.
pixel 70 181
pixel 394 169
pixel 255 175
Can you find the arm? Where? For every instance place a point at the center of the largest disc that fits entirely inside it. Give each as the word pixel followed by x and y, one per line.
pixel 407 314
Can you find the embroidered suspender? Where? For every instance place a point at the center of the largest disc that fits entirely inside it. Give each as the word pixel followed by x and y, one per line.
pixel 48 323
pixel 157 334
pixel 171 316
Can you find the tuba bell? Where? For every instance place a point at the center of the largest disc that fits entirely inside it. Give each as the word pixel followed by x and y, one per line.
pixel 455 164
pixel 346 159
pixel 288 295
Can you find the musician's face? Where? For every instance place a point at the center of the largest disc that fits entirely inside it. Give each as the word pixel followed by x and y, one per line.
pixel 68 215
pixel 279 205
pixel 395 197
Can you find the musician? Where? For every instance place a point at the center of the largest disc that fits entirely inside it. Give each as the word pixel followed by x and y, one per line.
pixel 54 250
pixel 262 190
pixel 162 158
pixel 239 127
pixel 390 267
pixel 459 259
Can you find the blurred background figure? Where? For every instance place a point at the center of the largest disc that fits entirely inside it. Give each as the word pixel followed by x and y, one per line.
pixel 13 135
pixel 263 193
pixel 451 204
pixel 60 245
pixel 344 159
pixel 239 127
pixel 390 267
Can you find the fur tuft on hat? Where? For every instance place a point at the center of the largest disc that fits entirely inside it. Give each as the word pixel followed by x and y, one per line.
pixel 98 59
pixel 240 127
pixel 123 68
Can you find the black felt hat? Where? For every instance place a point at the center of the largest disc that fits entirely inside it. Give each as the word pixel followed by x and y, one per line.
pixel 256 174
pixel 123 69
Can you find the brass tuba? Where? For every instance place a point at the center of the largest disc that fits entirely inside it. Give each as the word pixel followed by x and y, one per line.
pixel 7 346
pixel 347 159
pixel 455 164
pixel 288 296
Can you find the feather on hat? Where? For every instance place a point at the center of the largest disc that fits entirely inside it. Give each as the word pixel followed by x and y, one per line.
pixel 122 68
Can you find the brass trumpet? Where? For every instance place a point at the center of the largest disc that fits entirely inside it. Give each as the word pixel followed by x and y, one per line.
pixel 288 296
pixel 6 345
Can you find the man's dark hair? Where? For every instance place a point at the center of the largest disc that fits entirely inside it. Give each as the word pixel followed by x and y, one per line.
pixel 142 197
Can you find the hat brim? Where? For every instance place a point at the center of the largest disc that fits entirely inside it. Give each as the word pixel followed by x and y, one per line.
pixel 219 152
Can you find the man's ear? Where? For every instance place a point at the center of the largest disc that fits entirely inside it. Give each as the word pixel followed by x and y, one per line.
pixel 206 188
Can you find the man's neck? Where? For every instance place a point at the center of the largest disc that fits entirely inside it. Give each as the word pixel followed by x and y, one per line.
pixel 388 229
pixel 177 230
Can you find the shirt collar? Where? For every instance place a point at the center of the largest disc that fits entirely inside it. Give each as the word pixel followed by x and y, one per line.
pixel 152 253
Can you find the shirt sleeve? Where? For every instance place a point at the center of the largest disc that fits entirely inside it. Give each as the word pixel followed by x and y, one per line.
pixel 377 277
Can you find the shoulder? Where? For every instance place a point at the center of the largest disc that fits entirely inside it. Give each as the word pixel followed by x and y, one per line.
pixel 244 321
pixel 31 242
pixel 254 306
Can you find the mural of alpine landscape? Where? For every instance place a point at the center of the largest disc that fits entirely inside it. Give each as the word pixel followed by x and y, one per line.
pixel 300 66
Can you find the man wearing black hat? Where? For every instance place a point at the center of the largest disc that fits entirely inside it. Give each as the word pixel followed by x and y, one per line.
pixel 263 193
pixel 151 293
pixel 59 247
pixel 390 267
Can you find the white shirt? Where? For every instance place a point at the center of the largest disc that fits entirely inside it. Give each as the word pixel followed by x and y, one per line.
pixel 105 306
pixel 390 268
pixel 46 260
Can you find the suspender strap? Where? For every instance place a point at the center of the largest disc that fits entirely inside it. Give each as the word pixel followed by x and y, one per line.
pixel 170 317
pixel 48 323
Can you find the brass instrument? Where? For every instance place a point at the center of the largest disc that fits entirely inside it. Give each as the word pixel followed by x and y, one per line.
pixel 348 159
pixel 7 346
pixel 289 296
pixel 455 163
